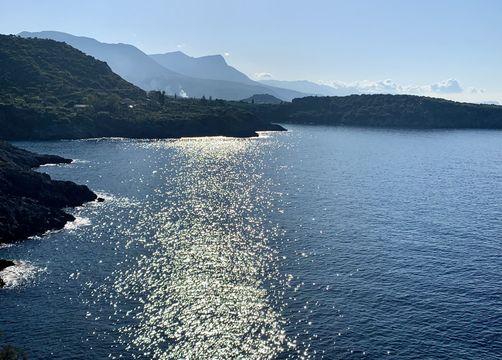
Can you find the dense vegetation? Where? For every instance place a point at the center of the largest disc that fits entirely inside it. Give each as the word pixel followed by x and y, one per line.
pixel 400 111
pixel 49 90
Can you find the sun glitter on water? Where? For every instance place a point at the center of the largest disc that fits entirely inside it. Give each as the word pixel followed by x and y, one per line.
pixel 203 289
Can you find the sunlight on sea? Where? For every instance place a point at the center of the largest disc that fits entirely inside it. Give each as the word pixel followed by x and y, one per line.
pixel 318 243
pixel 203 291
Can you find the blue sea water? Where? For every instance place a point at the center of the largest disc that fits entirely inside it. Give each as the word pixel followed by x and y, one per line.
pixel 318 243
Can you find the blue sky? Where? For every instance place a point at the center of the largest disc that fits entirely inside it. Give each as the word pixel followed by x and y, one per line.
pixel 408 46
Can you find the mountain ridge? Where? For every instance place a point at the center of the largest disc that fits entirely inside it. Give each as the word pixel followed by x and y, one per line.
pixel 304 86
pixel 212 67
pixel 140 69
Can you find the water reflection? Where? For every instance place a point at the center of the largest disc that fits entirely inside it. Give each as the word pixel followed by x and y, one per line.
pixel 203 289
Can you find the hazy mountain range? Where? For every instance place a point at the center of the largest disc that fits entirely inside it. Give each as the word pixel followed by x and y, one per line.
pixel 307 87
pixel 212 67
pixel 175 73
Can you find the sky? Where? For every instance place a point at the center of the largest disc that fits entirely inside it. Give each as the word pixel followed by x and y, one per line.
pixel 451 48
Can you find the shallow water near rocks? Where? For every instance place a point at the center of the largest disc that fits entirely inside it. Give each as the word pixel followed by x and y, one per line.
pixel 321 242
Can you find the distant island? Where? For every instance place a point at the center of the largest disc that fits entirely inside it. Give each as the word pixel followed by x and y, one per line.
pixel 50 90
pixel 392 111
pixel 31 202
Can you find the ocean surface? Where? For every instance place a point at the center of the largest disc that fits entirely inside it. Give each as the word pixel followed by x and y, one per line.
pixel 318 243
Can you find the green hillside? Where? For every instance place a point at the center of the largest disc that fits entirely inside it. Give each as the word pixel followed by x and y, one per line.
pixel 399 111
pixel 49 90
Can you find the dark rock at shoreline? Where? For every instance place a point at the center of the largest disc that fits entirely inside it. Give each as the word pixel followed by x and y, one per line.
pixel 27 159
pixel 23 217
pixel 31 202
pixel 5 264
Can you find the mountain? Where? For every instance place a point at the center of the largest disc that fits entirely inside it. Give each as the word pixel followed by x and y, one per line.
pixel 50 90
pixel 304 86
pixel 206 67
pixel 392 111
pixel 50 70
pixel 125 60
pixel 262 99
pixel 143 71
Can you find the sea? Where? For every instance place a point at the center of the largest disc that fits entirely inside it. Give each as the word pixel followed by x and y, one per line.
pixel 315 243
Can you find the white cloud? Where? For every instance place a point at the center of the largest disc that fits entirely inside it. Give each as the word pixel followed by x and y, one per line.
pixel 450 89
pixel 263 76
pixel 450 86
pixel 368 87
pixel 226 54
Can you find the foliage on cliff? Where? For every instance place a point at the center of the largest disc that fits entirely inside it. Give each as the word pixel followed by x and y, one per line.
pixel 49 90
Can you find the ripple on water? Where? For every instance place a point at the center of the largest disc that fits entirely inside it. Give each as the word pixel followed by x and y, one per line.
pixel 203 289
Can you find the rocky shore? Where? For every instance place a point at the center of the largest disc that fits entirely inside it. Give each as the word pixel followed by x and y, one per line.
pixel 31 203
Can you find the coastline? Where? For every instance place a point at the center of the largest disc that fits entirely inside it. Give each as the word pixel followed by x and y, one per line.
pixel 31 203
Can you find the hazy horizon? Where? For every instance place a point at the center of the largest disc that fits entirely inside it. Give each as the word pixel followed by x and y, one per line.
pixel 442 49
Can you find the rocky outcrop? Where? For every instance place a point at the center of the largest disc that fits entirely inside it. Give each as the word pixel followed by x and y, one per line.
pixel 27 159
pixel 31 203
pixel 5 264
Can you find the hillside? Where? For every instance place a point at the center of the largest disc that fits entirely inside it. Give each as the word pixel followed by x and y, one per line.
pixel 262 99
pixel 49 73
pixel 398 111
pixel 143 71
pixel 49 90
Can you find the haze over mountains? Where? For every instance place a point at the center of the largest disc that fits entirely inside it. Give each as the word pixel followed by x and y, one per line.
pixel 192 77
pixel 211 76
pixel 206 67
pixel 307 87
